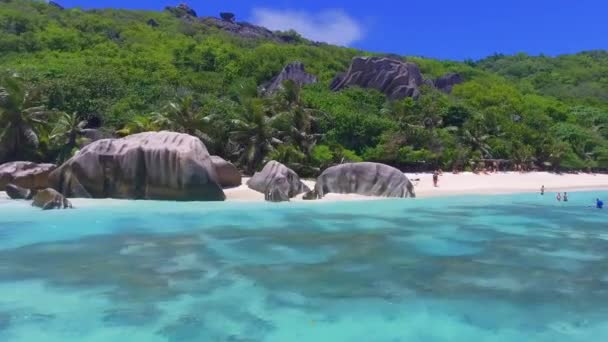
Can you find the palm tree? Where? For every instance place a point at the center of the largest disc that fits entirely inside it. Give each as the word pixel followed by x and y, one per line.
pixel 19 120
pixel 140 124
pixel 557 152
pixel 254 134
pixel 65 134
pixel 476 135
pixel 185 115
pixel 301 119
pixel 478 141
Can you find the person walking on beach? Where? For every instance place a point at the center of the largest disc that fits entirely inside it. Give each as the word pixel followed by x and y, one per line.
pixel 559 197
pixel 565 197
pixel 435 178
pixel 542 190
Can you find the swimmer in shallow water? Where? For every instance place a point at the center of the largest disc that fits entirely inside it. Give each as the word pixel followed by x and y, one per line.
pixel 559 197
pixel 599 203
pixel 565 197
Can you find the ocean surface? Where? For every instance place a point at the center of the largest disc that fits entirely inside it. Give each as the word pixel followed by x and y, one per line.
pixel 479 268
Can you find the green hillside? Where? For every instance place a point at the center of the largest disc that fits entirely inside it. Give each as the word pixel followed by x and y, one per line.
pixel 183 75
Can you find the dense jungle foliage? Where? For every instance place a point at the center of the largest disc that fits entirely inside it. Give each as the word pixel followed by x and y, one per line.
pixel 60 67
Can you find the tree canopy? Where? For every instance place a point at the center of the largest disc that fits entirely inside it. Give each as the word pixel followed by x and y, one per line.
pixel 113 66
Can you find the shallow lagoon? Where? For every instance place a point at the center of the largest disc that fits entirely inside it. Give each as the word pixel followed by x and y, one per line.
pixel 480 268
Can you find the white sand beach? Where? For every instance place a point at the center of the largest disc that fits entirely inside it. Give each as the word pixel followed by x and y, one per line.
pixel 506 183
pixel 465 184
pixel 460 184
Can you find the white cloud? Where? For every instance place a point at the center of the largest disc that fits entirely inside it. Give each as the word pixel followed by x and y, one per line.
pixel 330 26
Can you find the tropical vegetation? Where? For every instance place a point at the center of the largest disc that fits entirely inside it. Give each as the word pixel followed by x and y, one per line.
pixel 66 71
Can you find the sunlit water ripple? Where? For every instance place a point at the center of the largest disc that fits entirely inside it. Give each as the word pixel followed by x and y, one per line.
pixel 491 268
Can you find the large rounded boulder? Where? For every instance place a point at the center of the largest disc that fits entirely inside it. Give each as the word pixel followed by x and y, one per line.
pixel 393 77
pixel 153 165
pixel 228 175
pixel 25 174
pixel 368 179
pixel 277 181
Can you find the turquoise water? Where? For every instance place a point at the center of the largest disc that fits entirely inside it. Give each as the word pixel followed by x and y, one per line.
pixel 493 268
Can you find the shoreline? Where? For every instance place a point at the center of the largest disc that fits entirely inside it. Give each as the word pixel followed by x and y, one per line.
pixel 502 183
pixel 466 183
pixel 507 183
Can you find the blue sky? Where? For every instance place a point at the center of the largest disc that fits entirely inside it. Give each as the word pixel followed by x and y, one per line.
pixel 446 29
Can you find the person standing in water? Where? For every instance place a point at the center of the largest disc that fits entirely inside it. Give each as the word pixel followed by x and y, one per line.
pixel 599 203
pixel 565 197
pixel 542 190
pixel 559 197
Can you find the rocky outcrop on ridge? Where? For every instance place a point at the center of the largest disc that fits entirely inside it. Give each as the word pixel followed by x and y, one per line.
pixel 393 77
pixel 153 165
pixel 229 17
pixel 368 179
pixel 295 72
pixel 181 11
pixel 243 29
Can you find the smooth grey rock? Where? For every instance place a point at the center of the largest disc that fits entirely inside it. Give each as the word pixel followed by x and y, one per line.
pixel 395 78
pixel 50 199
pixel 446 82
pixel 152 165
pixel 278 191
pixel 228 175
pixel 26 174
pixel 369 179
pixel 295 72
pixel 276 175
pixel 16 192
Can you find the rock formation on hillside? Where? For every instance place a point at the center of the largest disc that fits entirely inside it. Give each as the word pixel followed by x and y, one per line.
pixel 293 71
pixel 277 181
pixel 152 23
pixel 369 179
pixel 446 82
pixel 153 165
pixel 25 174
pixel 181 11
pixel 243 29
pixel 395 78
pixel 56 5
